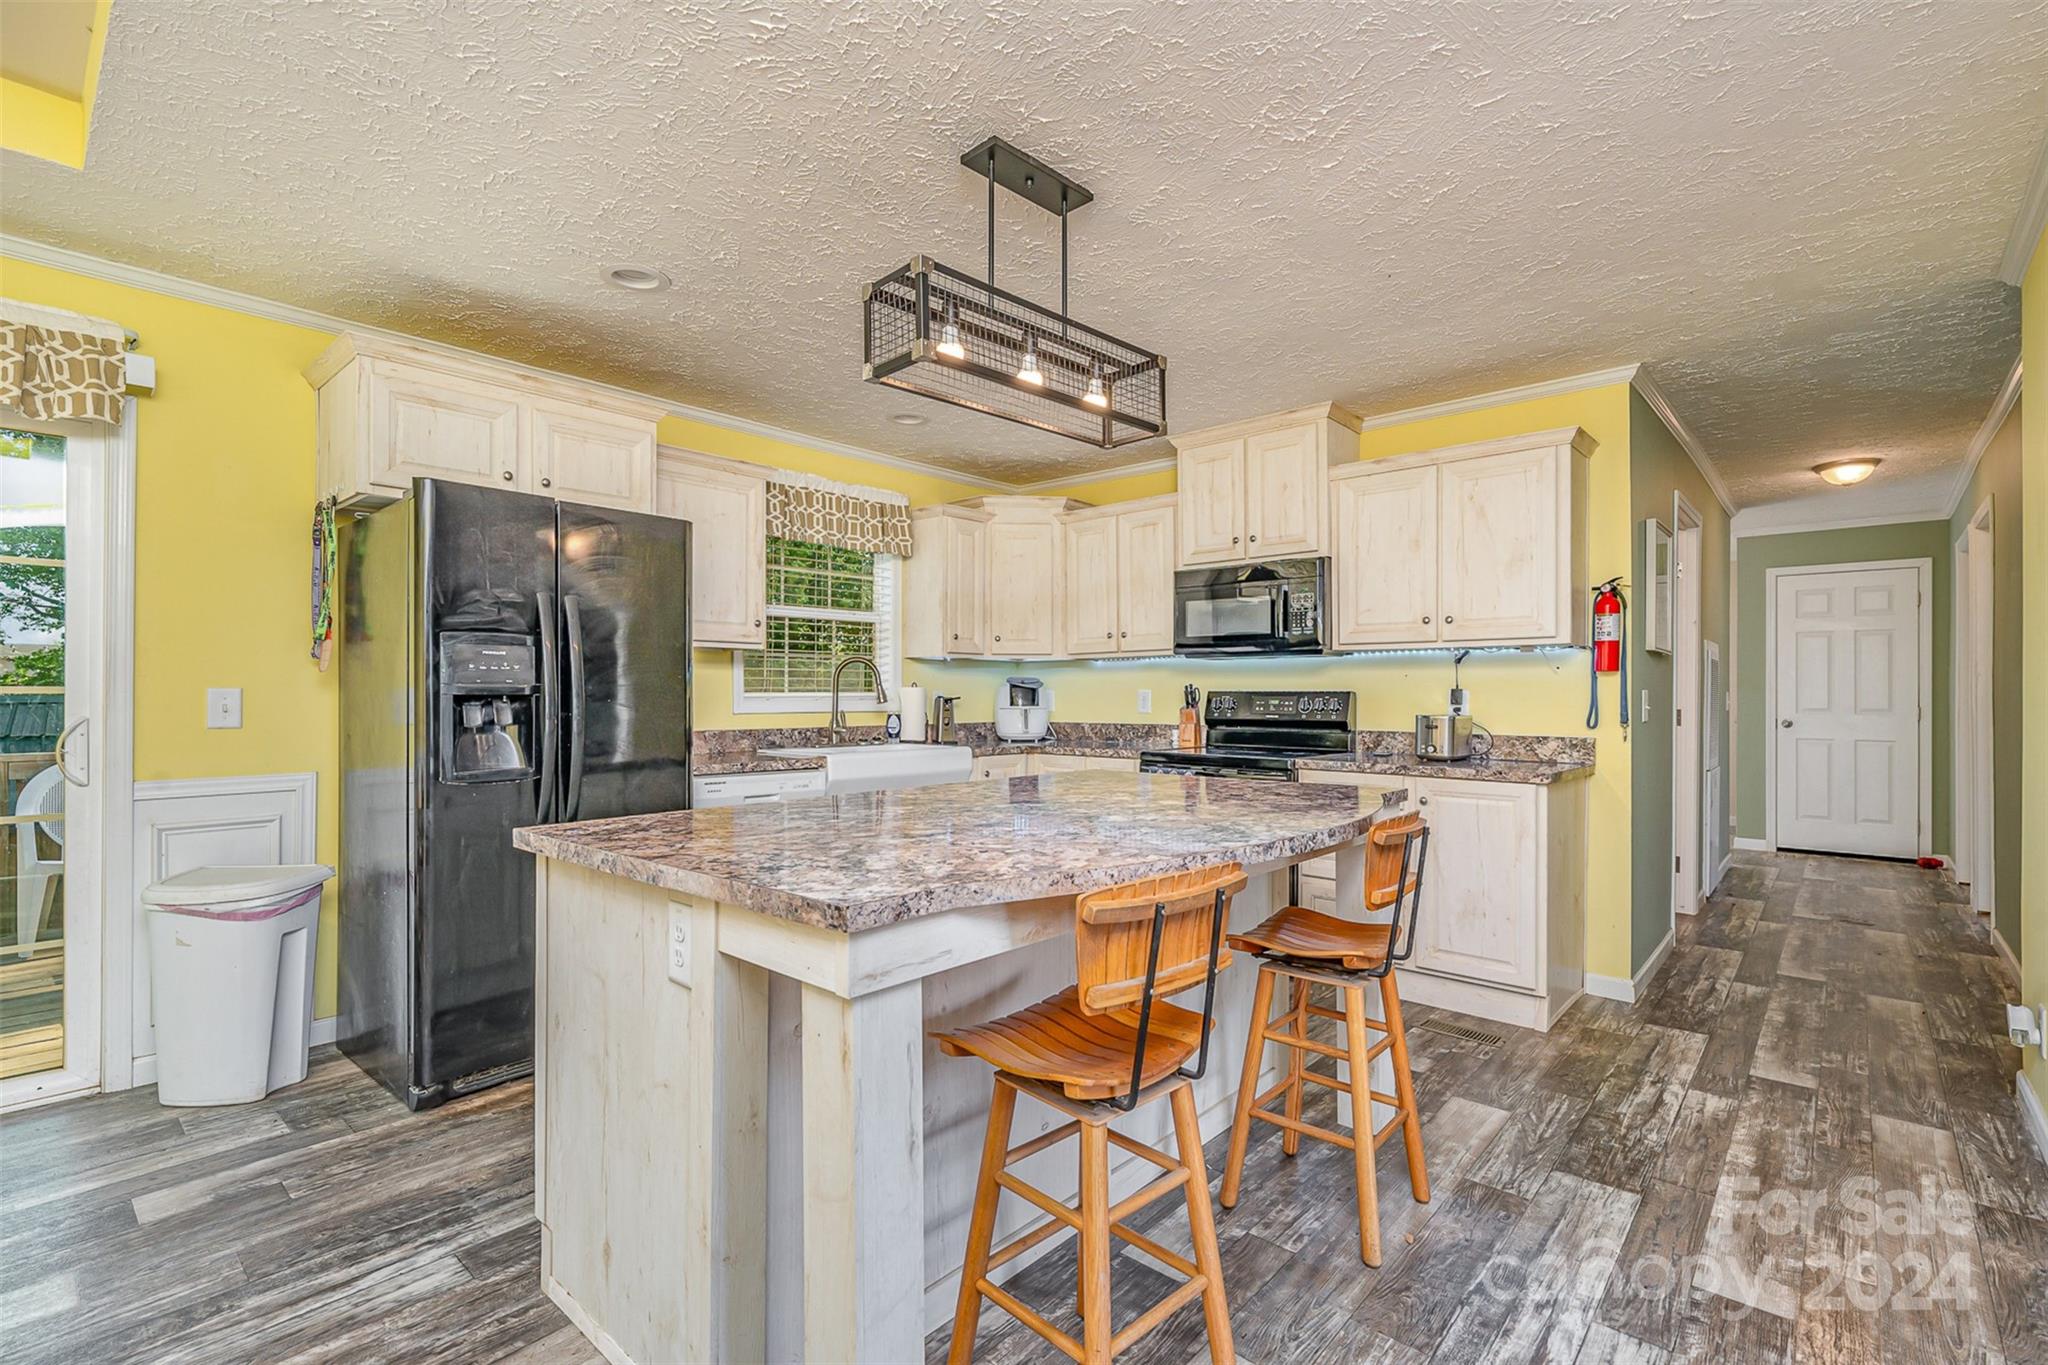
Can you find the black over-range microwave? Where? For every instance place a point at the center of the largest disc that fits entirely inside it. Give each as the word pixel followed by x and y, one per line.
pixel 1280 606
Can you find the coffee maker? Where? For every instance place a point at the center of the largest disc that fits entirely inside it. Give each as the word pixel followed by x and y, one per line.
pixel 1023 711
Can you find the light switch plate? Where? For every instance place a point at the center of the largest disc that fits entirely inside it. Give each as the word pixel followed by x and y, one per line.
pixel 223 708
pixel 679 945
pixel 1144 701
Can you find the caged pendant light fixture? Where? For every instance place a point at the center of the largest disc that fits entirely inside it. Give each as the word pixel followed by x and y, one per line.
pixel 929 329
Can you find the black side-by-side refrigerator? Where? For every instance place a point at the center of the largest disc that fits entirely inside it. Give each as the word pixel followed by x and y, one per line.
pixel 505 660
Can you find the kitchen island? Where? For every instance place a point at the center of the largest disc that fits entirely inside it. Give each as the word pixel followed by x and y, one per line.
pixel 746 1148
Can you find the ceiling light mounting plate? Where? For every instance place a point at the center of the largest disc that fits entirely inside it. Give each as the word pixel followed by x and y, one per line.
pixel 1026 176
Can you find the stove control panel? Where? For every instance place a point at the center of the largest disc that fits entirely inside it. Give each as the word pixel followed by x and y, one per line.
pixel 1289 708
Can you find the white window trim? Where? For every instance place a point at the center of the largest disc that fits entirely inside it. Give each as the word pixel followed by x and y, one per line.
pixel 888 585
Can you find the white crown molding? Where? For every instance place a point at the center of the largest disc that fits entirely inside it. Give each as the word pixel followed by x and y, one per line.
pixel 1843 524
pixel 1548 388
pixel 2028 226
pixel 2001 408
pixel 1661 405
pixel 234 301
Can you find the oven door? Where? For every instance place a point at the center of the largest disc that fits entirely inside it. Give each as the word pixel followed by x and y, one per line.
pixel 1269 608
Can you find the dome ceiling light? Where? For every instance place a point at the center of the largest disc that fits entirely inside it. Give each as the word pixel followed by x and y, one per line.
pixel 931 330
pixel 1844 472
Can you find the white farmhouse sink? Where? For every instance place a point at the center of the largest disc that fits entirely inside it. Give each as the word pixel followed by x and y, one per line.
pixel 885 767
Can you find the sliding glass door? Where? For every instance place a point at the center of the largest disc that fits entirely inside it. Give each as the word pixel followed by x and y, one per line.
pixel 51 540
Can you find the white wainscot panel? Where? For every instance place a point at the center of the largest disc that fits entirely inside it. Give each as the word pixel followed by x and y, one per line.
pixel 198 822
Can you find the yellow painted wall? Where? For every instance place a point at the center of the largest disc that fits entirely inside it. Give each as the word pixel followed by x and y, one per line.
pixel 2034 666
pixel 54 127
pixel 1541 694
pixel 224 500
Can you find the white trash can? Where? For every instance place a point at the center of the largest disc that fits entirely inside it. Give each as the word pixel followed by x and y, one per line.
pixel 231 976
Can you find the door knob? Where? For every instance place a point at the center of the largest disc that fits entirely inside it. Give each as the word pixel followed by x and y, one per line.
pixel 1784 725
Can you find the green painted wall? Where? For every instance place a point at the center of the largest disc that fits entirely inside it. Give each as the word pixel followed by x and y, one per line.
pixel 1658 467
pixel 1754 555
pixel 1997 479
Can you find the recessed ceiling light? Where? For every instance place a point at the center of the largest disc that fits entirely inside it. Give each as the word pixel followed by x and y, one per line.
pixel 1847 471
pixel 642 277
pixel 907 419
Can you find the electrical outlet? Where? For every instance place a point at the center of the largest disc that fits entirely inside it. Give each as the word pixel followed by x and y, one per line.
pixel 2027 1028
pixel 223 708
pixel 1144 701
pixel 679 945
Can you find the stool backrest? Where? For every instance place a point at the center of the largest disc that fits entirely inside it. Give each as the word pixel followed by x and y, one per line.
pixel 1395 853
pixel 1115 944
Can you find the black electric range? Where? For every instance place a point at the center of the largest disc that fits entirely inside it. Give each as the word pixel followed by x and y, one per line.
pixel 1258 735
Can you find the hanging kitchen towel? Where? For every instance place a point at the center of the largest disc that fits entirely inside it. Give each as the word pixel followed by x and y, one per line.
pixel 323 583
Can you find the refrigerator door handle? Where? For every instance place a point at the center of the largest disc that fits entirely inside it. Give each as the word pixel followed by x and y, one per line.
pixel 572 612
pixel 550 710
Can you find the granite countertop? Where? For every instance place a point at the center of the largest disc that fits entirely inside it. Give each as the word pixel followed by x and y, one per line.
pixel 1536 770
pixel 857 862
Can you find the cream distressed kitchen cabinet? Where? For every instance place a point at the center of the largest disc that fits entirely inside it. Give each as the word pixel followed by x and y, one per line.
pixel 945 584
pixel 727 510
pixel 1118 578
pixel 390 412
pixel 1481 544
pixel 1260 489
pixel 1023 576
pixel 585 455
pixel 1501 932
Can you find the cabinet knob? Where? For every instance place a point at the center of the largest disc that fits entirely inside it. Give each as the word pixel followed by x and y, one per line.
pixel 999 639
pixel 547 483
pixel 1255 540
pixel 1425 620
pixel 956 634
pixel 508 476
pixel 1422 801
pixel 1106 635
pixel 1124 634
pixel 1233 539
pixel 757 623
pixel 1449 619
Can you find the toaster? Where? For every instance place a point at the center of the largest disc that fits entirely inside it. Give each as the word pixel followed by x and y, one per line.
pixel 1443 738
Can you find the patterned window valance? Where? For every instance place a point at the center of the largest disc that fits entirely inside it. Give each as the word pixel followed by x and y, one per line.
pixel 56 366
pixel 827 513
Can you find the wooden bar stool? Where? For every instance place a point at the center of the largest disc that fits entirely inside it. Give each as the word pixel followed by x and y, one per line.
pixel 1105 1046
pixel 1312 949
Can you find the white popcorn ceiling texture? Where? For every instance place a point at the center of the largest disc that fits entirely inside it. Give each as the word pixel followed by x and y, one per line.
pixel 1793 211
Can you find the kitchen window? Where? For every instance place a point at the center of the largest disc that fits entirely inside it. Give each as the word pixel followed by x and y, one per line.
pixel 824 604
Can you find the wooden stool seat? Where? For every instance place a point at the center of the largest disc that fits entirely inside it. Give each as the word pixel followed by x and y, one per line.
pixel 1087 1056
pixel 1311 949
pixel 1094 1052
pixel 1296 931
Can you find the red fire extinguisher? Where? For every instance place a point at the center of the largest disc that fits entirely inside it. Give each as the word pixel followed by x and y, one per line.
pixel 1610 647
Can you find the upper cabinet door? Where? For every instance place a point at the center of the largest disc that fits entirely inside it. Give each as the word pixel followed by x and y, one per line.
pixel 1384 555
pixel 591 456
pixel 966 607
pixel 1021 574
pixel 1145 562
pixel 1502 542
pixel 1091 568
pixel 428 425
pixel 728 516
pixel 1285 491
pixel 1212 498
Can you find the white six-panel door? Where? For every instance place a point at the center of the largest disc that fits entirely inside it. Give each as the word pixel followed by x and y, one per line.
pixel 1848 711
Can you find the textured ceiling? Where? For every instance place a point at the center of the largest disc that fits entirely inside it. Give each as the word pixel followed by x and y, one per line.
pixel 1792 211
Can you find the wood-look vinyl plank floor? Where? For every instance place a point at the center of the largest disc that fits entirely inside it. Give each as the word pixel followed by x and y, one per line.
pixel 1682 1179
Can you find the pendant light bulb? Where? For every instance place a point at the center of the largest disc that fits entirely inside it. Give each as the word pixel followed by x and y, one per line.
pixel 1095 397
pixel 949 335
pixel 1028 372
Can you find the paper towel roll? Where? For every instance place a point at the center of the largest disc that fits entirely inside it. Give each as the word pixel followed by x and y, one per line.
pixel 913 715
